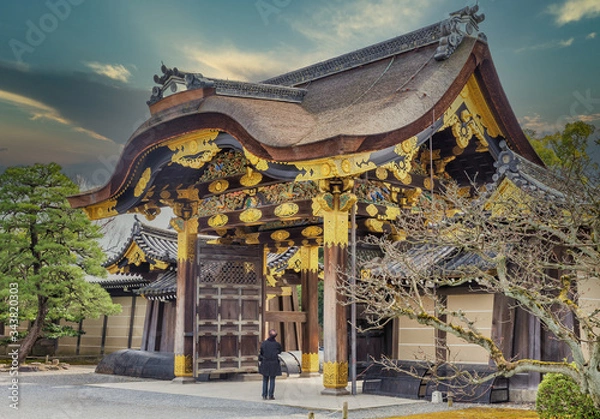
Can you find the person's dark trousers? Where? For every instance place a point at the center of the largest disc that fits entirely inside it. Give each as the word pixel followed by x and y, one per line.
pixel 268 385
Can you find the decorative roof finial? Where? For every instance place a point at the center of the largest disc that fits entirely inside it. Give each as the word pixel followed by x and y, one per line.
pixel 463 22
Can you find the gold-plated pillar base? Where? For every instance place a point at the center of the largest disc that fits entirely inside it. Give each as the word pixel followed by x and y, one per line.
pixel 183 366
pixel 310 363
pixel 335 375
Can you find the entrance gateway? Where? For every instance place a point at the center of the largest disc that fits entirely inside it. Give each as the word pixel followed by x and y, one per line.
pixel 229 309
pixel 283 163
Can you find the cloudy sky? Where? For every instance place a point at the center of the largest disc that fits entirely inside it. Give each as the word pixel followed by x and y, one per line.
pixel 75 74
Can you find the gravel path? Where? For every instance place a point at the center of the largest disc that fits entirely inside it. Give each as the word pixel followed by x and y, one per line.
pixel 73 394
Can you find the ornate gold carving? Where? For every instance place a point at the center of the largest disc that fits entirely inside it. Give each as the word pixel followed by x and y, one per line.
pixel 103 209
pixel 251 215
pixel 190 194
pixel 280 235
pixel 476 119
pixel 218 186
pixel 374 226
pixel 427 183
pixel 251 178
pixel 217 221
pixel 335 374
pixel 185 209
pixel 288 209
pixel 149 210
pixel 372 210
pixel 142 182
pixel 407 147
pixel 194 150
pixel 256 161
pixel 407 180
pixel 391 213
pixel 412 196
pixel 312 231
pixel 183 366
pixel 381 173
pixel 186 240
pixel 310 362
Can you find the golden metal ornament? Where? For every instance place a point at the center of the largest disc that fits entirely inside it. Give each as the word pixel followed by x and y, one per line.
pixel 310 362
pixel 335 374
pixel 374 226
pixel 257 162
pixel 218 186
pixel 195 149
pixel 183 366
pixel 381 173
pixel 102 210
pixel 218 221
pixel 142 182
pixel 391 213
pixel 280 235
pixel 251 215
pixel 251 178
pixel 287 209
pixel 427 183
pixel 312 231
pixel 372 210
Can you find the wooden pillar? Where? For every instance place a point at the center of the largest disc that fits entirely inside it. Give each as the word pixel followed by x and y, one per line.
pixel 309 272
pixel 334 205
pixel 187 239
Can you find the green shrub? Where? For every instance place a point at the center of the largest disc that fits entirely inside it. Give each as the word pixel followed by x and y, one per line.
pixel 559 396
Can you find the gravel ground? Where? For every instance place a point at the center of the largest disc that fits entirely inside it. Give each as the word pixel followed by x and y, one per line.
pixel 69 394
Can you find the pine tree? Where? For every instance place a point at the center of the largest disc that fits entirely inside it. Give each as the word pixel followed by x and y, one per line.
pixel 46 249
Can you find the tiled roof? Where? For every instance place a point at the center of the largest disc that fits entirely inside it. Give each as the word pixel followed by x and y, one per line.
pixel 119 281
pixel 439 260
pixel 165 287
pixel 157 244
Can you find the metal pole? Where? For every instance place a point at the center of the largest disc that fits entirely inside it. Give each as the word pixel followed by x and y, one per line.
pixel 353 306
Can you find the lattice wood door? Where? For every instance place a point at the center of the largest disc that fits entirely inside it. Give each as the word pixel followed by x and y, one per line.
pixel 229 309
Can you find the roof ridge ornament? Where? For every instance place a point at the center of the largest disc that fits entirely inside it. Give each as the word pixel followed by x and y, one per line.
pixel 174 78
pixel 463 22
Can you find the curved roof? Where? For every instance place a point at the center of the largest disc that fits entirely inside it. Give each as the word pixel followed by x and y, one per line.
pixel 363 101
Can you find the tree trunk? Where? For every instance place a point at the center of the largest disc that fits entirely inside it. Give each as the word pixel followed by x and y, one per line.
pixel 35 331
pixel 593 377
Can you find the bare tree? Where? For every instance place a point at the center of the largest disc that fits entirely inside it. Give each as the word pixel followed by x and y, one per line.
pixel 537 245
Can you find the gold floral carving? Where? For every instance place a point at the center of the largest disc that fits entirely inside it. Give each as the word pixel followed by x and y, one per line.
pixel 194 150
pixel 280 235
pixel 256 161
pixel 312 231
pixel 476 119
pixel 218 186
pixel 381 173
pixel 391 213
pixel 251 215
pixel 310 362
pixel 372 210
pixel 288 209
pixel 142 182
pixel 102 210
pixel 335 374
pixel 308 259
pixel 374 226
pixel 218 221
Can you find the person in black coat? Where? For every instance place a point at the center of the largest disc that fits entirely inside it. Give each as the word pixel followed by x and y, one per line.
pixel 269 365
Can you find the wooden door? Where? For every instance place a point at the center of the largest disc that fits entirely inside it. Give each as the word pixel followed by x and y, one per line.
pixel 229 309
